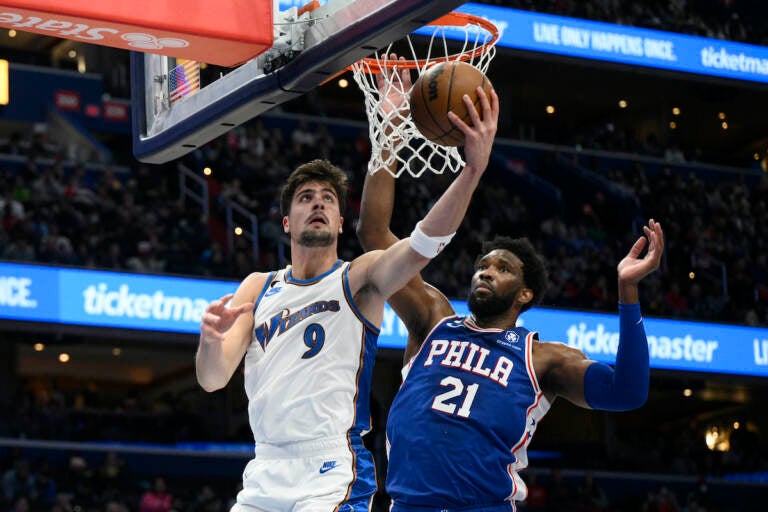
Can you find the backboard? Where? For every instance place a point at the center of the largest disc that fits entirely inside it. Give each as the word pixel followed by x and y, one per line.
pixel 173 113
pixel 206 32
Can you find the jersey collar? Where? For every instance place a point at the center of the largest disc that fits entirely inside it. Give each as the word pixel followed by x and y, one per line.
pixel 290 279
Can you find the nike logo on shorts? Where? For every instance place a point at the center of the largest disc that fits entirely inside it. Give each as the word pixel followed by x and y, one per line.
pixel 327 466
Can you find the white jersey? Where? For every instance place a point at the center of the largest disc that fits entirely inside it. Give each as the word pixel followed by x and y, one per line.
pixel 308 368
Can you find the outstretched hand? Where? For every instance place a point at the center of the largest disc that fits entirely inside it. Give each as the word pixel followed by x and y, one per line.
pixel 633 268
pixel 478 137
pixel 218 318
pixel 394 87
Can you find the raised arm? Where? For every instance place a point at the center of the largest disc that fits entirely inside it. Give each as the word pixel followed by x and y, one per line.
pixel 378 199
pixel 225 333
pixel 567 372
pixel 419 306
pixel 385 272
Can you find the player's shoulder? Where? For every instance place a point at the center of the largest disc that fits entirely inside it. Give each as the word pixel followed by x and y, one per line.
pixel 556 351
pixel 255 281
pixel 359 269
pixel 258 276
pixel 438 297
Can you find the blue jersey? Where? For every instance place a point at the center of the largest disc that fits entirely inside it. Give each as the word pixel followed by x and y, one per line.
pixel 460 424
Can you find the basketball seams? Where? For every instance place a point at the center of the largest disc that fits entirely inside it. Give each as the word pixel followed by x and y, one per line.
pixel 448 103
pixel 419 108
pixel 436 136
pixel 426 117
pixel 442 133
pixel 450 88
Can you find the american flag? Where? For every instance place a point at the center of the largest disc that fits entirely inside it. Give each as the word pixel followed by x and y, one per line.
pixel 184 79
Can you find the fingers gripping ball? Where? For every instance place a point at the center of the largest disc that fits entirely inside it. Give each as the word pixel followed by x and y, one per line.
pixel 439 90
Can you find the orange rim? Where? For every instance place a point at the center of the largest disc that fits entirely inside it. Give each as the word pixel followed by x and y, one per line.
pixel 452 19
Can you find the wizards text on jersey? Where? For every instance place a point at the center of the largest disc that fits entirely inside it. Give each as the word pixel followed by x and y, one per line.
pixel 284 320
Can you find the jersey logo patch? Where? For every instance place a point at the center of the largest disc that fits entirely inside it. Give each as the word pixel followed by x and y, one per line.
pixel 273 291
pixel 510 341
pixel 327 466
pixel 505 343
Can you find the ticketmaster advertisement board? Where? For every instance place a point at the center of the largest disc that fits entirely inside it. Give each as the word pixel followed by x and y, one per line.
pixel 625 45
pixel 584 39
pixel 154 303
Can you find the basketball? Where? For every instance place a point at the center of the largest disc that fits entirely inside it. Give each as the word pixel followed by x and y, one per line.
pixel 439 90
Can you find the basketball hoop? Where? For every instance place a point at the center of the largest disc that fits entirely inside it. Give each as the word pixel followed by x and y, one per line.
pixel 396 143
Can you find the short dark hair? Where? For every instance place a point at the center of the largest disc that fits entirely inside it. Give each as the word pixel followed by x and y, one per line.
pixel 316 170
pixel 534 266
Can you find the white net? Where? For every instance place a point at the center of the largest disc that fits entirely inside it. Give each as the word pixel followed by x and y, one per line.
pixel 396 143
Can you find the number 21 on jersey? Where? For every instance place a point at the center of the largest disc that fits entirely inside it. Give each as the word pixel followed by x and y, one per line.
pixel 444 402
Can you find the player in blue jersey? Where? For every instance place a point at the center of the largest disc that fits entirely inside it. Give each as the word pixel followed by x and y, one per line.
pixel 476 387
pixel 308 336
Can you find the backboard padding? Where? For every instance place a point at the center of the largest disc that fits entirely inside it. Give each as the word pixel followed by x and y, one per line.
pixel 347 34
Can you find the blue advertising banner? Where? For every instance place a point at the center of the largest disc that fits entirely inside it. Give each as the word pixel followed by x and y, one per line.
pixel 106 299
pixel 28 293
pixel 626 45
pixel 175 304
pixel 137 301
pixel 574 37
pixel 584 39
pixel 672 344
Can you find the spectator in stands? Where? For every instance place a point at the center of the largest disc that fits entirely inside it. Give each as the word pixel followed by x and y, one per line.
pixel 651 503
pixel 12 209
pixel 18 481
pixel 21 504
pixel 674 155
pixel 156 499
pixel 79 483
pixel 77 192
pixel 233 191
pixel 63 503
pixel 676 301
pixel 47 188
pixel 206 501
pixel 214 261
pixel 145 260
pixel 20 190
pixel 303 140
pixel 115 506
pixel 112 471
pixel 667 500
pixel 45 491
pixel 591 497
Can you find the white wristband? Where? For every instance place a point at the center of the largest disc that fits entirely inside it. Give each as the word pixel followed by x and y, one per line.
pixel 428 246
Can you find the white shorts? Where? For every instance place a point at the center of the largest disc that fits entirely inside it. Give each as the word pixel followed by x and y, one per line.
pixel 330 475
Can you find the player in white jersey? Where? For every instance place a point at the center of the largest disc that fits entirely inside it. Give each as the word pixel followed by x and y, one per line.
pixel 479 382
pixel 308 336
